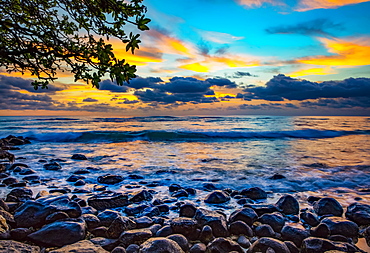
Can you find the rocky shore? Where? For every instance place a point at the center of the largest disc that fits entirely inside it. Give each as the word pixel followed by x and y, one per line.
pixel 139 220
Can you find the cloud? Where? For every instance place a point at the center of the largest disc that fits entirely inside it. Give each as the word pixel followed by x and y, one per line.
pixel 18 83
pixel 342 103
pixel 241 74
pixel 90 100
pixel 313 27
pixel 258 3
pixel 345 53
pixel 312 71
pixel 282 87
pixel 306 5
pixel 148 82
pixel 112 86
pixel 218 37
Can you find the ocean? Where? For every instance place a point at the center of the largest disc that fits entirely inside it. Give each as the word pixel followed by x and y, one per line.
pixel 315 155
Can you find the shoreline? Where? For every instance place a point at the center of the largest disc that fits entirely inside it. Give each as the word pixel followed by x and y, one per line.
pixel 142 214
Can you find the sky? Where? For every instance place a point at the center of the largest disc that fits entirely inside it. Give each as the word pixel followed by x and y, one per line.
pixel 225 57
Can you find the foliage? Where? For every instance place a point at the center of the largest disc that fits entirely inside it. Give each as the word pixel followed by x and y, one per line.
pixel 46 36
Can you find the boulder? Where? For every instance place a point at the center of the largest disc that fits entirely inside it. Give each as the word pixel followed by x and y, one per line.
pixel 184 226
pixel 309 218
pixel 180 240
pixel 20 234
pixel 359 213
pixel 7 246
pixel 223 245
pixel 135 236
pixel 62 203
pixel 110 179
pixel 91 220
pixel 240 228
pixel 261 209
pixel 4 228
pixel 108 200
pixel 78 157
pixel 52 166
pixel 254 193
pixel 262 244
pixel 198 248
pixel 247 215
pixel 320 245
pixel 275 220
pixel 84 246
pixel 119 225
pixel 187 210
pixel 206 235
pixel 141 196
pixel 295 234
pixel 20 194
pixel 341 226
pixel 214 219
pixel 160 244
pixel 59 233
pixel 217 197
pixel 264 231
pixel 32 214
pixel 287 204
pixel 105 243
pixel 328 206
pixel 322 230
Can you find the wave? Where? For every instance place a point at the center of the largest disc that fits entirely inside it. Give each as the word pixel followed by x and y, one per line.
pixel 152 135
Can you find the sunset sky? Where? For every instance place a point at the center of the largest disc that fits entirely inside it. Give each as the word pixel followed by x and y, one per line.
pixel 226 57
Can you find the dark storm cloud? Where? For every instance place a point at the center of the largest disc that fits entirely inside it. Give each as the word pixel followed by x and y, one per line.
pixel 148 82
pixel 313 27
pixel 112 86
pixel 165 98
pixel 90 100
pixel 282 87
pixel 18 83
pixel 342 103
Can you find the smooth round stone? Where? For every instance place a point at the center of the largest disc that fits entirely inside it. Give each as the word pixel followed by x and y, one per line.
pixel 217 197
pixel 328 206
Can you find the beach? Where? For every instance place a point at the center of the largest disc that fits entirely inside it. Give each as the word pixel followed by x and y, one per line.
pixel 252 183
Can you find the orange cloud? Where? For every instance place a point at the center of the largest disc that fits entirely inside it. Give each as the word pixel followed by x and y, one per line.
pixel 346 53
pixel 197 67
pixel 306 5
pixel 312 71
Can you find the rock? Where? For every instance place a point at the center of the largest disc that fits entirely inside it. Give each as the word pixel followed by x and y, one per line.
pixel 287 204
pixel 81 171
pixel 78 157
pixel 3 205
pixel 243 241
pixel 143 195
pixel 27 171
pixel 180 240
pixel 4 228
pixel 261 209
pixel 184 226
pixel 56 216
pixel 180 193
pixel 206 235
pixel 309 218
pixel 359 213
pixel 135 209
pixel 217 197
pixel 7 246
pixel 338 238
pixel 32 214
pixel 75 178
pixel 155 228
pixel 62 204
pixel 20 234
pixel 59 233
pixel 174 187
pixel 52 166
pixel 214 219
pixel 119 225
pixel 164 231
pixel 10 181
pixel 143 222
pixel 341 226
pixel 21 194
pixel 223 245
pixel 292 247
pixel 198 248
pixel 151 211
pixel 295 234
pixel 277 176
pixel 110 179
pixel 319 245
pixel 8 217
pixel 275 220
pixel 247 215
pixel 328 206
pixel 322 230
pixel 84 246
pixel 91 220
pixel 119 249
pixel 160 244
pixel 107 244
pixel 135 236
pixel 262 244
pixel 187 210
pixel 264 231
pixel 240 228
pixel 108 200
pixel 80 182
pixel 254 193
pixel 133 248
pixel 99 232
pixel 163 208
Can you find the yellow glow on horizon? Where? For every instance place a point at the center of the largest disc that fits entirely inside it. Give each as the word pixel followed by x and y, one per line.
pixel 313 71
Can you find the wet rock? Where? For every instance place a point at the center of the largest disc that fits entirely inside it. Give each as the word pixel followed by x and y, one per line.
pixel 140 196
pixel 7 246
pixel 180 240
pixel 74 178
pixel 309 218
pixel 184 226
pixel 27 171
pixel 110 179
pixel 19 234
pixel 159 244
pixel 214 219
pixel 275 220
pixel 135 236
pixel 174 187
pixel 32 214
pixel 247 215
pixel 261 209
pixel 292 247
pixel 10 181
pixel 62 204
pixel 143 222
pixel 264 231
pixel 240 228
pixel 262 244
pixel 341 226
pixel 287 204
pixel 164 231
pixel 3 205
pixel 133 176
pixel 223 245
pixel 56 216
pixel 134 209
pixel 319 245
pixel 217 197
pixel 155 228
pixel 107 244
pixel 163 208
pixel 120 249
pixel 52 166
pixel 133 248
pixel 108 200
pixel 20 194
pixel 78 157
pixel 322 230
pixel 151 211
pixel 8 217
pixel 107 217
pixel 4 228
pixel 198 248
pixel 91 220
pixel 180 193
pixel 187 210
pixel 84 246
pixel 277 177
pixel 80 182
pixel 209 187
pixel 243 242
pixel 254 193
pixel 119 225
pixel 99 232
pixel 50 235
pixel 206 235
pixel 359 213
pixel 81 171
pixel 338 238
pixel 328 206
pixel 295 234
